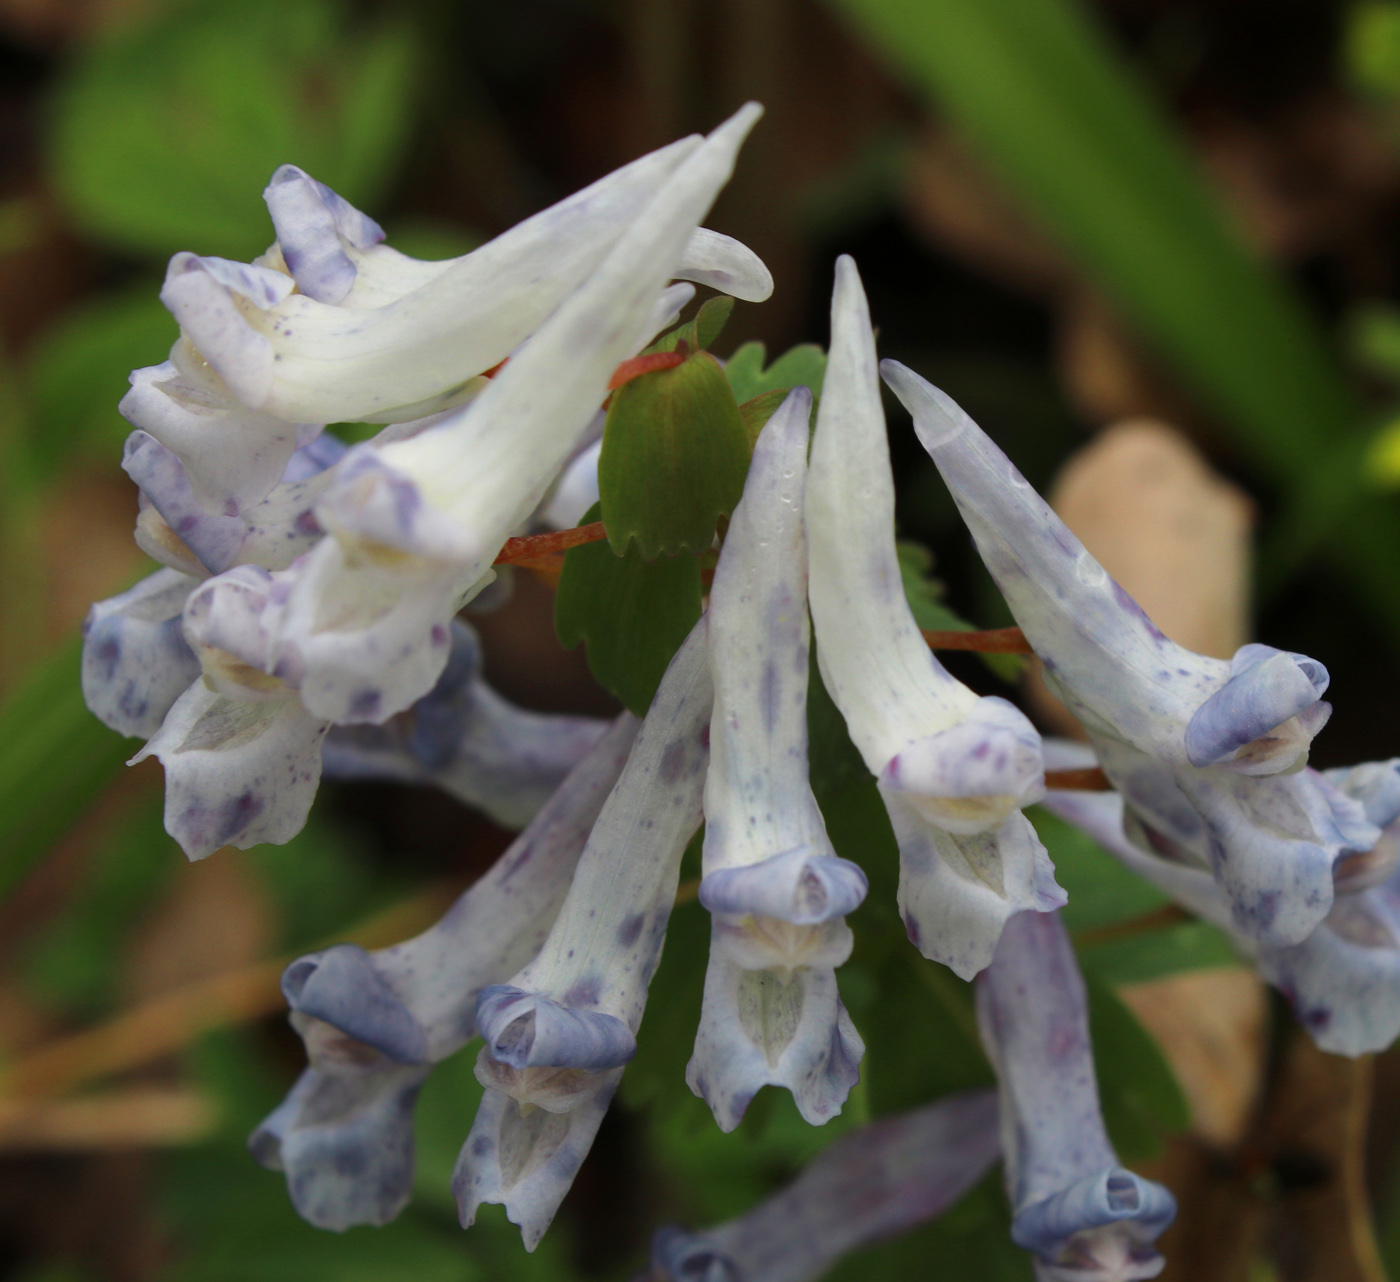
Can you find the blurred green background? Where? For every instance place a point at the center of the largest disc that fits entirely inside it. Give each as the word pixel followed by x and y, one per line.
pixel 1066 213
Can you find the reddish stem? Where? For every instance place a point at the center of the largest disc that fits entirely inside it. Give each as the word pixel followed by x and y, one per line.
pixel 646 363
pixel 1089 779
pixel 534 547
pixel 992 641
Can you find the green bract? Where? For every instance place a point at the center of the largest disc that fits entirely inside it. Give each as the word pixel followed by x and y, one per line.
pixel 675 453
pixel 630 613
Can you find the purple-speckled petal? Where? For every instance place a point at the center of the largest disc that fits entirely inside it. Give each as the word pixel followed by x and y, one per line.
pixel 200 294
pixel 1267 688
pixel 345 1143
pixel 526 1160
pixel 873 1183
pixel 341 987
pixel 213 537
pixel 232 455
pixel 381 1004
pixel 135 659
pixel 314 226
pixel 237 772
pixel 527 1030
pixel 1074 1206
pixel 599 956
pixel 803 887
pixel 777 1027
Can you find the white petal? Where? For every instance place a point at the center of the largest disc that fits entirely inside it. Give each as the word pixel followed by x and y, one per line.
pixel 135 660
pixel 722 263
pixel 772 1027
pixel 236 772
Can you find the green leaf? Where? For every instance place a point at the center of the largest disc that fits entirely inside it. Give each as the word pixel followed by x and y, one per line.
pixel 1154 954
pixel 833 761
pixel 74 963
pixel 800 366
pixel 631 614
pixel 701 330
pixel 165 134
pixel 79 368
pixel 1141 1100
pixel 1035 85
pixel 1102 892
pixel 925 596
pixel 674 459
pixel 757 411
pixel 55 758
pixel 1373 46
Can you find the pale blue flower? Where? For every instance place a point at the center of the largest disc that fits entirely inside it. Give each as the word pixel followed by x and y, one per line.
pixel 1206 752
pixel 777 892
pixel 954 769
pixel 873 1183
pixel 558 1033
pixel 1344 978
pixel 374 1023
pixel 1082 1214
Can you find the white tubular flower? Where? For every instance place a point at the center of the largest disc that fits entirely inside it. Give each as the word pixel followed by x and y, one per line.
pixel 772 882
pixel 1208 753
pixel 466 739
pixel 559 1032
pixel 135 660
pixel 374 1023
pixel 1343 980
pixel 362 628
pixel 954 769
pixel 1083 1215
pixel 373 335
pixel 232 455
pixel 872 1184
pixel 242 755
pixel 175 526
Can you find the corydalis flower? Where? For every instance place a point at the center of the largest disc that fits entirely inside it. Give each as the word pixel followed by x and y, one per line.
pixel 954 769
pixel 359 625
pixel 874 1183
pixel 777 892
pixel 333 326
pixel 1343 980
pixel 374 1023
pixel 1207 753
pixel 559 1032
pixel 469 741
pixel 1081 1213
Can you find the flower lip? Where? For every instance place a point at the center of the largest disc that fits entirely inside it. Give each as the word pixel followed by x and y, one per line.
pixel 1265 690
pixel 801 886
pixel 678 1256
pixel 529 1030
pixel 342 987
pixel 311 222
pixel 1103 1198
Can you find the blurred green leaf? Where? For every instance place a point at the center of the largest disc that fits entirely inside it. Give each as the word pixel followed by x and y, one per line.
pixel 1373 46
pixel 1154 954
pixel 55 757
pixel 76 960
pixel 1138 1092
pixel 701 330
pixel 165 134
pixel 1064 122
pixel 925 596
pixel 833 760
pixel 1102 892
pixel 78 372
pixel 674 459
pixel 631 614
pixel 800 366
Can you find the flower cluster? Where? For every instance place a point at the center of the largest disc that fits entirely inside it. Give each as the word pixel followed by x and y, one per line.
pixel 307 619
